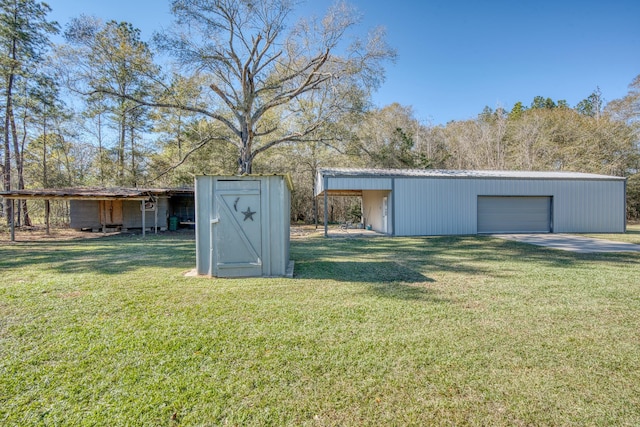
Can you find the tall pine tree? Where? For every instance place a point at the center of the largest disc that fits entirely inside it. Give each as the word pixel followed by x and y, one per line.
pixel 24 39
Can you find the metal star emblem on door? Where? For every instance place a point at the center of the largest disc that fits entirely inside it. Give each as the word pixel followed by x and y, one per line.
pixel 248 214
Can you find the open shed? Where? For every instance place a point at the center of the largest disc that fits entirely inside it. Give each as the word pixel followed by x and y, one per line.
pixel 242 225
pixel 448 202
pixel 96 208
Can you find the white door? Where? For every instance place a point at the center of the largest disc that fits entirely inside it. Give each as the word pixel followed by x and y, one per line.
pixel 237 234
pixel 385 206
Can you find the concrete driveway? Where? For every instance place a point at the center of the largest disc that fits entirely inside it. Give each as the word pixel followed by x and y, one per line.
pixel 573 243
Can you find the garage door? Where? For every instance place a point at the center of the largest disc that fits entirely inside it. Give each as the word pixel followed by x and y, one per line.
pixel 514 214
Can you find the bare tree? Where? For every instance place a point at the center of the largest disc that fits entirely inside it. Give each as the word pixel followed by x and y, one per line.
pixel 255 65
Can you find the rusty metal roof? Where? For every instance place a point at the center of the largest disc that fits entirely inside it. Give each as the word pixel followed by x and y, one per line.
pixel 94 193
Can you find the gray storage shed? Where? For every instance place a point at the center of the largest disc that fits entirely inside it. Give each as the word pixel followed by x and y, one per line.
pixel 448 202
pixel 242 225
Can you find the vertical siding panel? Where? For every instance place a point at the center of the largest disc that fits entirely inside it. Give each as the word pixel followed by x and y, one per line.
pixel 84 214
pixel 423 205
pixel 203 203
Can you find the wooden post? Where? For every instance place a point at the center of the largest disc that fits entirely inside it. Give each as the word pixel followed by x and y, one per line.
pixel 326 204
pixel 155 212
pixel 13 220
pixel 102 208
pixel 47 211
pixel 144 214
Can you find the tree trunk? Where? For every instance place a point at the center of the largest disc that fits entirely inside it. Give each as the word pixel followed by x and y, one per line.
pixel 121 144
pixel 6 178
pixel 133 155
pixel 6 171
pixel 100 154
pixel 47 213
pixel 314 199
pixel 45 182
pixel 245 161
pixel 18 150
pixel 178 139
pixel 245 164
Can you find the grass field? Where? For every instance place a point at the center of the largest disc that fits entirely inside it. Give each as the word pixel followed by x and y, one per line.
pixel 631 236
pixel 379 331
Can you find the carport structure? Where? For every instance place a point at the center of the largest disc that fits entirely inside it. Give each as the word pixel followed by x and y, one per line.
pixel 410 202
pixel 104 206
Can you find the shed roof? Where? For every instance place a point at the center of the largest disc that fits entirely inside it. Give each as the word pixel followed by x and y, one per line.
pixel 94 193
pixel 443 173
pixel 285 176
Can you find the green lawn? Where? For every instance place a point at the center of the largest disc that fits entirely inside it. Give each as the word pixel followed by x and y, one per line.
pixel 631 236
pixel 380 331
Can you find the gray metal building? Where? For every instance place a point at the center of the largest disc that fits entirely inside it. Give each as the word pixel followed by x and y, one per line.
pixel 447 202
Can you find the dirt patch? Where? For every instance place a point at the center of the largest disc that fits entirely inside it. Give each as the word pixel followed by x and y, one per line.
pixel 31 234
pixel 302 231
pixel 72 295
pixel 38 233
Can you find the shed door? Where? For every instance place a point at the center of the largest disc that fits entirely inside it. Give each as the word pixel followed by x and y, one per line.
pixel 237 231
pixel 514 214
pixel 111 212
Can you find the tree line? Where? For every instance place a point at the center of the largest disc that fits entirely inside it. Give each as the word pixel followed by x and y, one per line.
pixel 242 87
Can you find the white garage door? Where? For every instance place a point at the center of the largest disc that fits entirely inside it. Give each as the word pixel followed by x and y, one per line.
pixel 514 214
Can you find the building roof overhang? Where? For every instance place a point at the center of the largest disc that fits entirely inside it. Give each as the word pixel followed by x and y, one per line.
pixel 93 193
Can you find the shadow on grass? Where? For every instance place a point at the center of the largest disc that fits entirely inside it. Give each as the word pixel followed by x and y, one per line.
pixel 353 271
pixel 407 292
pixel 387 279
pixel 105 255
pixel 416 259
pixel 378 260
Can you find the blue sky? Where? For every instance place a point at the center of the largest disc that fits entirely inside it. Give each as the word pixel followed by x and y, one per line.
pixel 455 57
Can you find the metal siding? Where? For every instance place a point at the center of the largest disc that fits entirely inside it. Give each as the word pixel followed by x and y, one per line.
pixel 275 205
pixel 578 205
pixel 267 209
pixel 341 183
pixel 590 206
pixel 84 214
pixel 276 248
pixel 132 215
pixel 319 183
pixel 391 219
pixel 441 206
pixel 203 192
pixel 433 207
pixel 285 206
